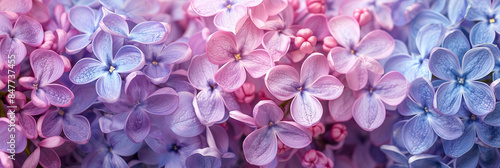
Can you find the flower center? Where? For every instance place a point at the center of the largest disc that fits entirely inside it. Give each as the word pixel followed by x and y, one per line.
pixel 36 86
pixel 228 6
pixel 300 88
pixel 371 90
pixel 473 117
pixel 111 69
pixel 492 20
pixel 426 110
pixel 237 56
pixel 61 113
pixel 110 148
pixel 352 52
pixel 460 80
pixel 155 63
pixel 271 123
pixel 175 148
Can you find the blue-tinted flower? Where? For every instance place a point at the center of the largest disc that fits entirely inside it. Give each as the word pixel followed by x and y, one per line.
pixel 487 16
pixel 86 20
pixel 160 58
pixel 107 151
pixel 457 10
pixel 485 156
pixel 406 161
pixel 147 32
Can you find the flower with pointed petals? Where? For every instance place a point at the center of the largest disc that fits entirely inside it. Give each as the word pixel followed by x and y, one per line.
pixel 228 13
pixel 461 80
pixel 86 20
pixel 45 154
pixel 160 58
pixel 47 67
pixel 147 32
pixel 314 82
pixel 107 68
pixel 354 57
pixel 13 39
pixel 26 113
pixel 421 131
pixel 237 53
pixel 210 101
pixel 261 146
pixel 68 120
pixel 369 109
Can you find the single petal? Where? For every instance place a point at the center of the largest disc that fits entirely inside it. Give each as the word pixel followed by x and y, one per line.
pixel 77 43
pixel 156 102
pixel 482 33
pixel 478 10
pixel 479 98
pixel 29 126
pixel 306 110
pixel 260 147
pixel 369 112
pixel 345 30
pixel 382 15
pixel 342 59
pixel 249 37
pixel 228 20
pixel 174 52
pixel 87 70
pixel 201 72
pixel 50 124
pixel 115 25
pixel 206 8
pixel 448 98
pixel 394 154
pixel 493 118
pixel 446 127
pixel 477 63
pixel 113 160
pixel 444 64
pixel 392 88
pixel 209 107
pixel 137 88
pixel 426 160
pixel 418 135
pixel 426 17
pixel 76 128
pixel 457 147
pixel 314 67
pixel 241 117
pixel 488 134
pixel 317 23
pixel 49 158
pixel 488 157
pixel 257 63
pixel 341 108
pixel 149 32
pixel 58 95
pixel 422 92
pixel 266 113
pixel 138 125
pixel 276 44
pixel 20 7
pixel 183 120
pixel 221 47
pixel 157 74
pixel 13 48
pixel 47 65
pixel 431 36
pixel 377 44
pixel 28 30
pixel 108 87
pixel 5 26
pixel 282 81
pixel 457 42
pixel 469 159
pixel 102 45
pixel 292 134
pixel 357 77
pixel 231 76
pixel 33 159
pixel 128 58
pixel 39 99
pixel 82 18
pixel 85 95
pixel 121 144
pixel 326 88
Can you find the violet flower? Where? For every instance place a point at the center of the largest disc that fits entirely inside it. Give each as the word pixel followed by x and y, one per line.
pixel 13 39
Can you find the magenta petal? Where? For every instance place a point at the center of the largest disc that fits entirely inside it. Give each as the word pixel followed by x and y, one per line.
pixel 58 95
pixel 345 30
pixel 138 125
pixel 50 124
pixel 9 46
pixel 314 67
pixel 341 108
pixel 228 20
pixel 260 147
pixel 76 128
pixel 392 88
pixel 201 72
pixel 342 59
pixel 52 142
pixel 369 112
pixel 377 44
pixel 209 107
pixel 306 110
pixel 5 26
pixel 47 65
pixel 231 76
pixel 115 25
pixel 265 112
pixel 49 158
pixel 208 8
pixel 257 63
pixel 357 77
pixel 156 104
pixel 282 81
pixel 293 134
pixel 28 31
pixel 326 88
pixel 221 47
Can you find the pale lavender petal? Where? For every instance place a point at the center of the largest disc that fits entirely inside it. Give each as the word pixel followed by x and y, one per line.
pixel 448 98
pixel 82 18
pixel 209 107
pixel 183 119
pixel 208 8
pixel 115 25
pixel 128 58
pixel 266 112
pixel 87 70
pixel 9 47
pixel 319 25
pixel 108 87
pixel 292 134
pixel 221 47
pixel 342 59
pixel 314 67
pixel 113 160
pixel 276 44
pixel 149 32
pixel 257 63
pixel 228 20
pixel 5 26
pixel 341 108
pixel 51 124
pixel 283 82
pixel 39 99
pixel 345 30
pixel 306 110
pixel 138 125
pixel 418 135
pixel 369 112
pixel 162 102
pixel 174 52
pixel 382 15
pixel 326 87
pixel 260 147
pixel 201 72
pixel 357 77
pixel 58 95
pixel 29 126
pixel 377 44
pixel 28 30
pixel 444 64
pixel 392 88
pixel 231 76
pixel 85 95
pixel 103 47
pixel 479 98
pixel 76 128
pixel 47 65
pixel 446 127
pixel 77 43
pixel 477 63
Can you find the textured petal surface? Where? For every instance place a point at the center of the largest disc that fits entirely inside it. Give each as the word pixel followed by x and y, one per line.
pixel 326 88
pixel 477 63
pixel 444 64
pixel 77 128
pixel 342 59
pixel 51 124
pixel 265 112
pixel 201 72
pixel 448 98
pixel 115 25
pixel 221 47
pixel 377 44
pixel 314 67
pixel 457 42
pixel 292 134
pixel 369 112
pixel 282 81
pixel 149 32
pixel 208 8
pixel 260 147
pixel 306 110
pixel 28 30
pixel 82 18
pixel 87 70
pixel 429 37
pixel 493 118
pixel 341 108
pixel 77 43
pixel 183 121
pixel 102 45
pixel 128 58
pixel 479 98
pixel 459 146
pixel 392 88
pixel 482 33
pixel 108 87
pixel 422 92
pixel 228 20
pixel 47 66
pixel 12 47
pixel 257 63
pixel 418 135
pixel 157 103
pixel 58 95
pixel 446 127
pixel 231 76
pixel 488 134
pixel 138 125
pixel 209 107
pixel 345 30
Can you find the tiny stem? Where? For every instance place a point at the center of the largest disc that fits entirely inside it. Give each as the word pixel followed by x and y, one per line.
pixel 27 149
pixel 2 112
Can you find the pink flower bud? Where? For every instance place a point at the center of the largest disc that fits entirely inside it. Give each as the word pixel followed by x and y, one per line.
pixel 363 16
pixel 317 129
pixel 262 95
pixel 316 6
pixel 328 43
pixel 48 40
pixel 314 158
pixel 305 40
pixel 294 3
pixel 282 148
pixel 339 132
pixel 246 93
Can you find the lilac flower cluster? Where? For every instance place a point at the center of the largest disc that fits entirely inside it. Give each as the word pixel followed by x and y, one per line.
pixel 250 83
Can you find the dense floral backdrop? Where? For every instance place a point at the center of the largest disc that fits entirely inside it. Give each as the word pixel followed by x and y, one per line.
pixel 249 83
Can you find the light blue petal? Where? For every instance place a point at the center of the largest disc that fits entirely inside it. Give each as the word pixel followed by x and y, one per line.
pixel 489 157
pixel 149 32
pixel 428 37
pixel 114 24
pixel 426 160
pixel 448 98
pixel 444 64
pixel 481 33
pixel 493 118
pixel 469 159
pixel 427 17
pixel 422 92
pixel 209 107
pixel 496 54
pixel 457 147
pixel 394 154
pixel 77 43
pixel 129 58
pixel 477 63
pixel 411 68
pixel 82 18
pixel 108 87
pixel 490 135
pixel 479 10
pixel 479 98
pixel 177 51
pixel 102 45
pixel 409 107
pixel 457 42
pixel 457 9
pixel 446 127
pixel 418 135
